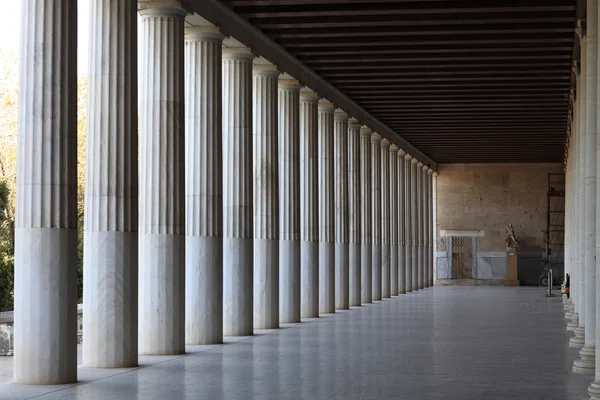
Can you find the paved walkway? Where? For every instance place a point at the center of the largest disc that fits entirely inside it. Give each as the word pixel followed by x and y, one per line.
pixel 466 343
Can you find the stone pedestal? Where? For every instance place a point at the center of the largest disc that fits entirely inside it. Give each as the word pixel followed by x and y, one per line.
pixel 511 268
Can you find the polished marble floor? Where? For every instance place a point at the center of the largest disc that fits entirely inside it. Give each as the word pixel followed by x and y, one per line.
pixel 442 343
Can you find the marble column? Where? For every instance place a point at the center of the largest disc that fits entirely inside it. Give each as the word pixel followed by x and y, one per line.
pixel 419 224
pixel 430 228
pixel 162 185
pixel 265 79
pixel 309 204
pixel 203 186
pixel 238 242
pixel 587 363
pixel 433 226
pixel 376 215
pixel 400 194
pixel 393 196
pixel 354 214
pixel 340 181
pixel 45 329
pixel 289 201
pixel 414 222
pixel 110 314
pixel 425 227
pixel 326 209
pixel 579 339
pixel 408 223
pixel 385 219
pixel 366 229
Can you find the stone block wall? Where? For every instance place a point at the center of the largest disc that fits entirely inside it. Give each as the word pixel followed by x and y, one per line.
pixel 487 197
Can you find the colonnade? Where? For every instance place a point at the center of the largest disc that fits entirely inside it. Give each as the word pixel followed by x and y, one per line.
pixel 256 202
pixel 582 245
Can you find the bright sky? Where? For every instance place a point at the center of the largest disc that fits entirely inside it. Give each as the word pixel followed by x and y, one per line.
pixel 10 30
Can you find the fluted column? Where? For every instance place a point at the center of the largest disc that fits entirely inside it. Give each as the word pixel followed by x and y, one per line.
pixel 393 196
pixel 408 220
pixel 162 185
pixel 419 224
pixel 587 363
pixel 238 224
pixel 366 229
pixel 354 204
pixel 430 228
pixel 579 339
pixel 424 226
pixel 110 315
pixel 385 219
pixel 289 201
pixel 400 195
pixel 340 181
pixel 433 226
pixel 266 197
pixel 376 214
pixel 326 209
pixel 45 329
pixel 309 203
pixel 414 223
pixel 203 186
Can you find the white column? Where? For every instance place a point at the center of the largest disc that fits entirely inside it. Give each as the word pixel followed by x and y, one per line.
pixel 414 221
pixel 393 196
pixel 289 201
pixel 430 228
pixel 266 197
pixel 45 329
pixel 425 226
pixel 385 219
pixel 400 194
pixel 110 315
pixel 419 224
pixel 238 243
pixel 203 186
pixel 366 229
pixel 433 225
pixel 354 214
pixel 162 186
pixel 376 215
pixel 579 339
pixel 340 143
pixel 587 363
pixel 408 221
pixel 309 203
pixel 326 209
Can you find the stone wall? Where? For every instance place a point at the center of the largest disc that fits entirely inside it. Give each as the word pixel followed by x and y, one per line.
pixel 487 197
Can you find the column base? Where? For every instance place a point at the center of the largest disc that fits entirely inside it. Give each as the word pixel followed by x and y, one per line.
pixel 587 363
pixel 579 339
pixel 574 323
pixel 594 390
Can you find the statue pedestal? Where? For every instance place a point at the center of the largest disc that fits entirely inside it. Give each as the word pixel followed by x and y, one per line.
pixel 511 268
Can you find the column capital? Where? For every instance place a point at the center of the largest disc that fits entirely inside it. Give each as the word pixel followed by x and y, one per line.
pixel 375 137
pixel 393 148
pixel 353 124
pixel 408 157
pixel 401 153
pixel 237 53
pixel 162 8
pixel 326 106
pixel 425 168
pixel 195 33
pixel 340 115
pixel 385 143
pixel 431 172
pixel 307 94
pixel 414 160
pixel 269 70
pixel 419 164
pixel 365 131
pixel 435 174
pixel 289 84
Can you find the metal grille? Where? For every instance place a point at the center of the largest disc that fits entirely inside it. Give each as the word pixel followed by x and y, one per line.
pixel 462 257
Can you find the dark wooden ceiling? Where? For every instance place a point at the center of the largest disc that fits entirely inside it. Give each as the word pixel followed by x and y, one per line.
pixel 463 81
